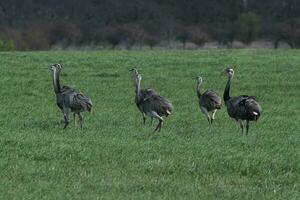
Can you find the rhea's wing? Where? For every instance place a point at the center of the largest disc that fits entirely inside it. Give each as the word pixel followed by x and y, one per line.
pixel 67 89
pixel 235 106
pixel 246 107
pixel 147 93
pixel 80 102
pixel 212 99
pixel 253 106
pixel 158 104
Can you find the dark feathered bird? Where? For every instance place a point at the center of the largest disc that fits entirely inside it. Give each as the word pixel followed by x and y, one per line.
pixel 241 108
pixel 209 101
pixel 150 103
pixel 68 99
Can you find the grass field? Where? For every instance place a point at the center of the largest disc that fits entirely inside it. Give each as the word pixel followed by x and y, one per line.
pixel 116 157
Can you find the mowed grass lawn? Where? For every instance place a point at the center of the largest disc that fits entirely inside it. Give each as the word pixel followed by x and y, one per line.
pixel 116 157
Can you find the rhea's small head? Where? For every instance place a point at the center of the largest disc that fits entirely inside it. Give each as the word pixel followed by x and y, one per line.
pixel 199 79
pixel 134 70
pixel 135 76
pixel 229 72
pixel 56 67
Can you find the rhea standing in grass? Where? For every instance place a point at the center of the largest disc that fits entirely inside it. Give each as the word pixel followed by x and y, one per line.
pixel 143 94
pixel 150 103
pixel 209 101
pixel 242 108
pixel 68 99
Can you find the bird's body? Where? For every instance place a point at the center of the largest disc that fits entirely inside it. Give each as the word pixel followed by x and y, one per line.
pixel 76 101
pixel 209 101
pixel 158 104
pixel 241 108
pixel 150 103
pixel 144 95
pixel 68 99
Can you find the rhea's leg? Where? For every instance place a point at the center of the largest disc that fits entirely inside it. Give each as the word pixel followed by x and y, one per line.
pixel 154 114
pixel 66 121
pixel 66 112
pixel 204 110
pixel 144 118
pixel 158 127
pixel 213 116
pixel 241 125
pixel 247 127
pixel 80 120
pixel 74 114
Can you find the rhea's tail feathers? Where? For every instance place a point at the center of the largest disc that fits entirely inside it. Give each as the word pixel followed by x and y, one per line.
pixel 167 107
pixel 218 106
pixel 84 101
pixel 253 108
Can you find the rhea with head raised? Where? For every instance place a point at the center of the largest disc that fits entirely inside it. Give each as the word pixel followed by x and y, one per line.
pixel 140 93
pixel 68 99
pixel 242 108
pixel 149 102
pixel 209 101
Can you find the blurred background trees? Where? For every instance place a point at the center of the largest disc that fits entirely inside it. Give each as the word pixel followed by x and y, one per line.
pixel 46 24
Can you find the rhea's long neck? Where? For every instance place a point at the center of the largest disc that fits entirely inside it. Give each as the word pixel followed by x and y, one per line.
pixel 138 89
pixel 227 89
pixel 56 84
pixel 198 89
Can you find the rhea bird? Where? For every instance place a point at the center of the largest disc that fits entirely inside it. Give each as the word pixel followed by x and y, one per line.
pixel 242 108
pixel 68 99
pixel 150 103
pixel 209 101
pixel 144 94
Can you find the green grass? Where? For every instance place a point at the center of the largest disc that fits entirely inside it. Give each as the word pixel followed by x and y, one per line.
pixel 116 157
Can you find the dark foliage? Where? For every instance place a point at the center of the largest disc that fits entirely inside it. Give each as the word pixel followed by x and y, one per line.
pixel 41 24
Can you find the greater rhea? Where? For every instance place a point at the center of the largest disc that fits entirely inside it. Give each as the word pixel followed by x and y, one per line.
pixel 144 94
pixel 209 101
pixel 68 99
pixel 242 108
pixel 150 103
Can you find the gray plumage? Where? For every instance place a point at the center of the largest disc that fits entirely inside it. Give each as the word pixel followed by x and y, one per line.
pixel 209 101
pixel 241 108
pixel 144 94
pixel 68 99
pixel 150 103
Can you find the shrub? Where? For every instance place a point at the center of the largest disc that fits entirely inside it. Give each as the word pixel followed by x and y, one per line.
pixel 198 36
pixel 249 27
pixel 7 45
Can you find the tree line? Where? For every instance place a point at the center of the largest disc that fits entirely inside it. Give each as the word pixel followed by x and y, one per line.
pixel 42 24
